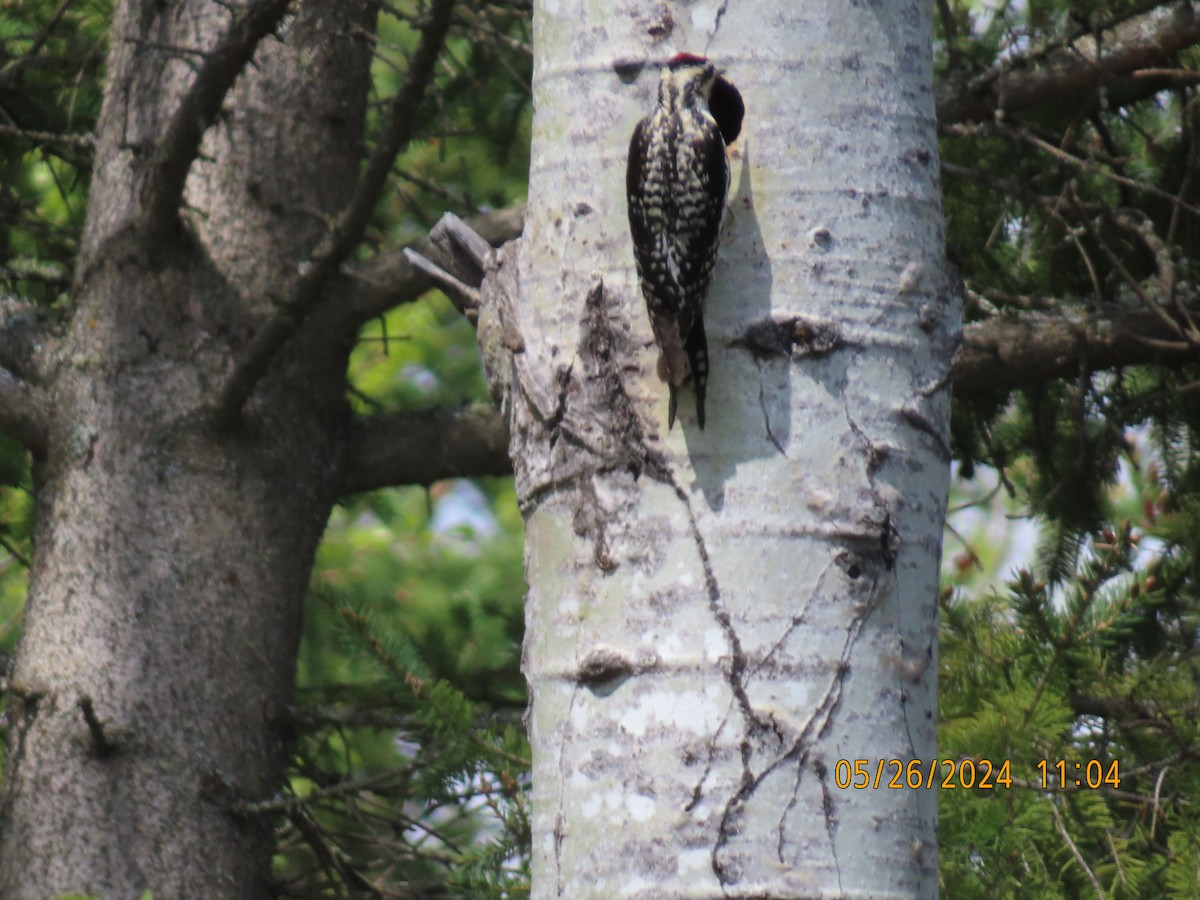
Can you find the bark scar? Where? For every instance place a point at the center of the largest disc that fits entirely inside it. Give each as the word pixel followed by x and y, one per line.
pixel 757 724
pixel 762 404
pixel 597 416
pixel 785 337
pixel 797 753
pixel 830 813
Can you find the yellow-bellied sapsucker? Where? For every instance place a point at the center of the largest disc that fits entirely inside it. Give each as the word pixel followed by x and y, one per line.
pixel 677 182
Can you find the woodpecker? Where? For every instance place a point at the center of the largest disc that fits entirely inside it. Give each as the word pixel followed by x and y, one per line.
pixel 677 182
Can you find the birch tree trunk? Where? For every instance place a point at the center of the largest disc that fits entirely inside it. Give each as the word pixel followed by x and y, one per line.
pixel 717 619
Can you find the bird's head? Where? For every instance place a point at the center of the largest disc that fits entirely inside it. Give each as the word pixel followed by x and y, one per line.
pixel 687 79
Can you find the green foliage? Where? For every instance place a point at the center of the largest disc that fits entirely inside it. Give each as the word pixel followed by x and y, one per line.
pixel 477 123
pixel 1088 653
pixel 1098 669
pixel 408 760
pixel 418 355
pixel 54 96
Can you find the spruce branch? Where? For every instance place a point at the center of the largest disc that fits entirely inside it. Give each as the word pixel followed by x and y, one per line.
pixel 1003 353
pixel 1008 352
pixel 22 412
pixel 424 446
pixel 1076 66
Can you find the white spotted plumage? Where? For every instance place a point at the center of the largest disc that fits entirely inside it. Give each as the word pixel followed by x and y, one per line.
pixel 677 182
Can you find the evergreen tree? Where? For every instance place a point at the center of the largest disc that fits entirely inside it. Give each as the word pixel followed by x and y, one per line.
pixel 1069 166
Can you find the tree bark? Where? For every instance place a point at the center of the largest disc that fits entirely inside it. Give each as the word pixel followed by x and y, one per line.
pixel 170 556
pixel 716 619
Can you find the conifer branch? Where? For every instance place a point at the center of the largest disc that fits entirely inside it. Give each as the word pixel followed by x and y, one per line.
pixel 22 412
pixel 1008 352
pixel 1074 67
pixel 424 446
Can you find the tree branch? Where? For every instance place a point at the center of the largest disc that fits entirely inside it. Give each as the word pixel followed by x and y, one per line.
pixel 1009 352
pixel 390 279
pixel 999 354
pixel 348 230
pixel 22 335
pixel 163 181
pixel 22 412
pixel 424 446
pixel 84 142
pixel 1003 353
pixel 1079 67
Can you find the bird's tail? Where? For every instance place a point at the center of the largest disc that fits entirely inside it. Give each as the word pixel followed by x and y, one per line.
pixel 697 351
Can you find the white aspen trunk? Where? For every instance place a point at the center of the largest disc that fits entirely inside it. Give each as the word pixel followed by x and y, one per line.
pixel 717 618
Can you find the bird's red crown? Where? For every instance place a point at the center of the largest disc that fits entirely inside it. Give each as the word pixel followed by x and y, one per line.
pixel 686 59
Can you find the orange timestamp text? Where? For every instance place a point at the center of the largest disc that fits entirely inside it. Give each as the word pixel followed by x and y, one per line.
pixel 971 774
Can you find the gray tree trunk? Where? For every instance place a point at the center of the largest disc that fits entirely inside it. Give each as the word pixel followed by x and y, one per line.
pixel 172 554
pixel 720 622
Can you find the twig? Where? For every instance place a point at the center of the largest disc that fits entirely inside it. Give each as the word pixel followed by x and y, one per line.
pixel 102 744
pixel 1187 76
pixel 1088 165
pixel 1083 254
pixel 1187 334
pixel 1158 783
pixel 79 141
pixel 390 279
pixel 1185 184
pixel 331 858
pixel 16 554
pixel 1112 846
pixel 465 298
pixel 463 255
pixel 954 532
pixel 346 232
pixel 288 803
pixel 1062 829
